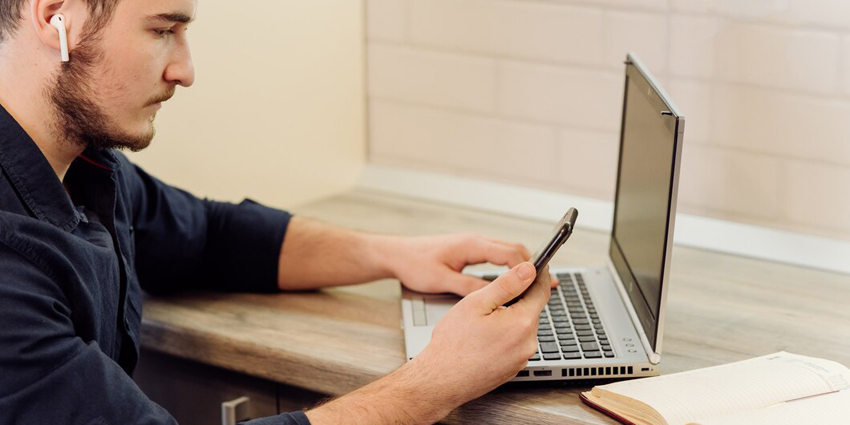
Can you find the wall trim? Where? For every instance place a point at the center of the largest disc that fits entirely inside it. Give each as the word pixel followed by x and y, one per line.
pixel 694 231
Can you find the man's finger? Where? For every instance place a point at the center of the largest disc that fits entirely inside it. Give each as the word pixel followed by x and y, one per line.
pixel 506 287
pixel 514 245
pixel 468 284
pixel 538 293
pixel 486 251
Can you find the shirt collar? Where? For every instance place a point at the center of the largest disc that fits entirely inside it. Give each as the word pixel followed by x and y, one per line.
pixel 34 179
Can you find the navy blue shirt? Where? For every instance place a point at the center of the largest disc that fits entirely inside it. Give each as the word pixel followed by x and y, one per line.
pixel 74 262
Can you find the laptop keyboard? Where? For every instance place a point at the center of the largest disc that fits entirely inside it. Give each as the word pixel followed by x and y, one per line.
pixel 570 328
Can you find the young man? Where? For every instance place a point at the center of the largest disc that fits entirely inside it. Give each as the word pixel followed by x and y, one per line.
pixel 83 231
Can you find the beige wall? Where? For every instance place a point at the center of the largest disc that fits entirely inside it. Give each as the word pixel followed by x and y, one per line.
pixel 277 112
pixel 529 92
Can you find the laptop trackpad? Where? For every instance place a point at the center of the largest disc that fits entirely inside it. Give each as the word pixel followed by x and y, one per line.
pixel 436 307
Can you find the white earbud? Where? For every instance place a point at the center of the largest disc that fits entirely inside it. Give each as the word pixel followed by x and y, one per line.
pixel 58 21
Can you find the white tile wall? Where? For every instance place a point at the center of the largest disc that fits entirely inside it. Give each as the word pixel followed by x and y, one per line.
pixel 693 44
pixel 811 196
pixel 462 142
pixel 784 124
pixel 467 86
pixel 587 162
pixel 777 57
pixel 636 31
pixel 831 14
pixel 845 64
pixel 521 29
pixel 432 78
pixel 386 20
pixel 730 181
pixel 581 98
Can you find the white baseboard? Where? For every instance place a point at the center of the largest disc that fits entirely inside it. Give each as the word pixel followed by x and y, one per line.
pixel 695 231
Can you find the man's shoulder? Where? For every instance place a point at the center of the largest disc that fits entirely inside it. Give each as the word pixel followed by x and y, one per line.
pixel 38 243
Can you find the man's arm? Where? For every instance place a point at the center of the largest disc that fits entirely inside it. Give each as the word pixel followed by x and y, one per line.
pixel 476 347
pixel 316 255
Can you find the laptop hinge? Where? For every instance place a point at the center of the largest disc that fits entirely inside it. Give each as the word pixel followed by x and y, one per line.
pixel 654 357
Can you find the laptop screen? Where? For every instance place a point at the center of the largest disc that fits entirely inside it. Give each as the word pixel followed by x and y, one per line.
pixel 645 196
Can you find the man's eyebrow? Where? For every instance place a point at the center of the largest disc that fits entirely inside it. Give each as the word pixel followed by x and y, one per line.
pixel 171 17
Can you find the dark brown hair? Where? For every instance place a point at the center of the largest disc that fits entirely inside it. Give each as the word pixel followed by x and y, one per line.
pixel 11 13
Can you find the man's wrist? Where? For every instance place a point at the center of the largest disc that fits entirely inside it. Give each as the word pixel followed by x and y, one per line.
pixel 411 395
pixel 385 253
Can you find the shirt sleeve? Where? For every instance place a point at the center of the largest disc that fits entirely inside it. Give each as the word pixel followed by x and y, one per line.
pixel 48 375
pixel 183 242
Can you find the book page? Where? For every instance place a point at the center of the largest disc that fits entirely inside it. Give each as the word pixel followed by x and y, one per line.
pixel 736 387
pixel 827 409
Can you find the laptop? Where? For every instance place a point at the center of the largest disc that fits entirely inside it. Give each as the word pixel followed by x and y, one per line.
pixel 605 321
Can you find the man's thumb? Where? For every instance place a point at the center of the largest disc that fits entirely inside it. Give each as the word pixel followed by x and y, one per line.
pixel 506 287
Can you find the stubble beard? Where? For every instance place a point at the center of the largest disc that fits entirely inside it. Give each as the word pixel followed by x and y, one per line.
pixel 78 118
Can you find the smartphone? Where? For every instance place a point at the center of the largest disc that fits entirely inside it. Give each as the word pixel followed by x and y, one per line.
pixel 563 230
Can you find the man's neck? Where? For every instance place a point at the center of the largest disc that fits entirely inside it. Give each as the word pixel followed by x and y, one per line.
pixel 22 94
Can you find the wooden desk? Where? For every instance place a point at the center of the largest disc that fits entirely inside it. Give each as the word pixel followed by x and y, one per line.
pixel 721 308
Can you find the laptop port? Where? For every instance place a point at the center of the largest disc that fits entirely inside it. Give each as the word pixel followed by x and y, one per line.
pixel 522 374
pixel 542 373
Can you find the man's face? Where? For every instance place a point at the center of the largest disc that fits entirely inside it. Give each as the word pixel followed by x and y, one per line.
pixel 109 93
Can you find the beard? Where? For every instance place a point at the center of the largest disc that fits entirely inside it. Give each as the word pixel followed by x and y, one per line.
pixel 79 119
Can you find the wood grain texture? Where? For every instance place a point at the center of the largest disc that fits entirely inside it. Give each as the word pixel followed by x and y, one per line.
pixel 721 308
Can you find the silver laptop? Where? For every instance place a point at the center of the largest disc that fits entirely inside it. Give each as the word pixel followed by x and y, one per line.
pixel 605 321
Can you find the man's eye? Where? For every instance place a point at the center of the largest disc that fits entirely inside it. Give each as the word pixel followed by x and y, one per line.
pixel 164 32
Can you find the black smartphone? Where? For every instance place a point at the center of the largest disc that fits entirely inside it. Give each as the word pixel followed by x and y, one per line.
pixel 563 230
pixel 541 258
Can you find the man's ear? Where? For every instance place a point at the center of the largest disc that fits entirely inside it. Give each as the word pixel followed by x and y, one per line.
pixel 41 12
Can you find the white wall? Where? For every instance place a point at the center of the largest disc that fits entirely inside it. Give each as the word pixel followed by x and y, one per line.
pixel 529 92
pixel 277 111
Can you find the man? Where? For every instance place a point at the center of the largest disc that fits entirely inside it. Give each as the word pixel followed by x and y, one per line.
pixel 83 231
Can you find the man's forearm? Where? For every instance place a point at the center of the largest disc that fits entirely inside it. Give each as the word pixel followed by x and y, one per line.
pixel 316 255
pixel 409 396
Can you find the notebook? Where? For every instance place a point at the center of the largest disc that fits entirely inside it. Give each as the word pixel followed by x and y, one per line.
pixel 780 388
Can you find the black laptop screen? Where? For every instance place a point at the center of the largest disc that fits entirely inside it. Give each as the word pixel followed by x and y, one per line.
pixel 644 197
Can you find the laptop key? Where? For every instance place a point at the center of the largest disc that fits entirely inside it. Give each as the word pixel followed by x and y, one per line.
pixel 544 333
pixel 546 338
pixel 569 348
pixel 572 356
pixel 582 327
pixel 592 355
pixel 534 357
pixel 586 339
pixel 584 333
pixel 609 354
pixel 589 346
pixel 551 356
pixel 548 347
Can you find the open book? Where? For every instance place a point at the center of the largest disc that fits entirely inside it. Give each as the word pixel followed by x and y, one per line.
pixel 780 388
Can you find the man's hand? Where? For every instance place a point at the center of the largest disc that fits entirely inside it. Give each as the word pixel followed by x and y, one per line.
pixel 477 346
pixel 433 264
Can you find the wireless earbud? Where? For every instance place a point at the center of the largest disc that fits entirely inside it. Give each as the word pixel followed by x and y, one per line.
pixel 58 21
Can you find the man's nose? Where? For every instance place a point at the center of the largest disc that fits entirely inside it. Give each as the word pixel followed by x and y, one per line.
pixel 181 71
